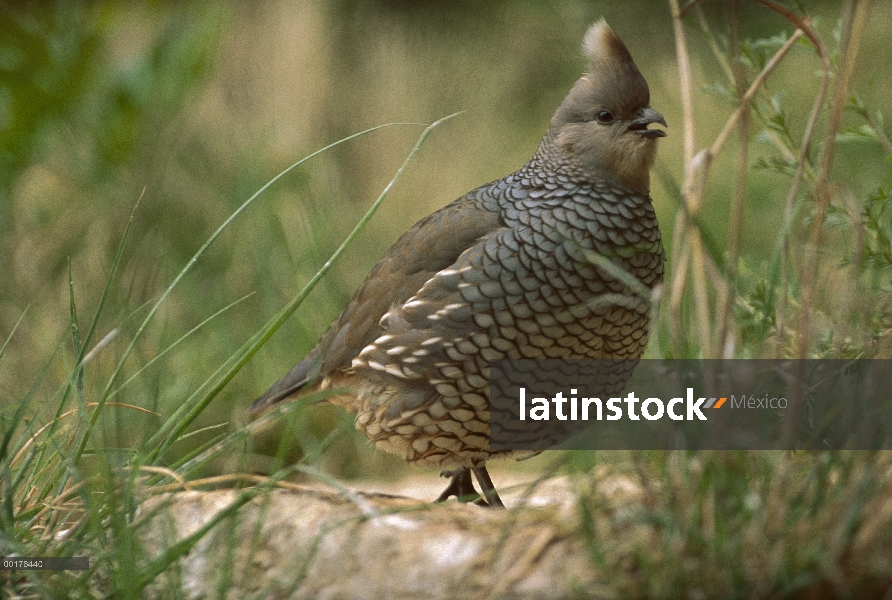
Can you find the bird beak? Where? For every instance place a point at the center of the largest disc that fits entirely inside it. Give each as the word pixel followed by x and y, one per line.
pixel 645 118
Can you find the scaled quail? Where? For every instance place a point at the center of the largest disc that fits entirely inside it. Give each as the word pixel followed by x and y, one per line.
pixel 505 271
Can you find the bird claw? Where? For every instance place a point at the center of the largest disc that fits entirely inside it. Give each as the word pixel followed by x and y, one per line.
pixel 461 486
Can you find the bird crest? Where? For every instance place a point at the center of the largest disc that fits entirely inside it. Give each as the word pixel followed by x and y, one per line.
pixel 611 78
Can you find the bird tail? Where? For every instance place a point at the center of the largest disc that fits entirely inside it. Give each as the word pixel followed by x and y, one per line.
pixel 304 373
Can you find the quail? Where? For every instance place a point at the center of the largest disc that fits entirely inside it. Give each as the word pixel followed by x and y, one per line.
pixel 504 272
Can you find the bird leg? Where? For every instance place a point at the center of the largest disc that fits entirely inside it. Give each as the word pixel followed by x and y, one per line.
pixel 461 486
pixel 489 490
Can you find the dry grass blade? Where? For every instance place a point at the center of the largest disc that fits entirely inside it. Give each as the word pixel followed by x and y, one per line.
pixel 757 84
pixel 30 441
pixel 687 238
pixel 726 338
pixel 854 23
pixel 684 233
pixel 801 161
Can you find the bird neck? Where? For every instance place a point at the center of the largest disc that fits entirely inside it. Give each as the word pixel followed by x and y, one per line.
pixel 553 162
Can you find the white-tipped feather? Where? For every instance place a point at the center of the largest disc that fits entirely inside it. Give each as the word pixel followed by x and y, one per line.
pixel 603 48
pixel 593 44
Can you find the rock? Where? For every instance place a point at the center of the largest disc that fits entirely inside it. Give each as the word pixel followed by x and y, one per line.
pixel 303 542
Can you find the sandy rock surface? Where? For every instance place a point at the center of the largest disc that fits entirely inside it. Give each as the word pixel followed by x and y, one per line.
pixel 306 542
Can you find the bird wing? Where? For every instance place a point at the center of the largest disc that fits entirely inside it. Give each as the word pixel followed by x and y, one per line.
pixel 438 342
pixel 522 291
pixel 429 246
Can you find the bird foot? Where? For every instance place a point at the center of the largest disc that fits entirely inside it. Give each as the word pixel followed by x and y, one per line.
pixel 462 487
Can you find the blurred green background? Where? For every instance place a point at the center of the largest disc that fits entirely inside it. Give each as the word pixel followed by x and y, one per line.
pixel 188 108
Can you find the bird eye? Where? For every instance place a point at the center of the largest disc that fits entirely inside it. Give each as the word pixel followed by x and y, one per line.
pixel 604 117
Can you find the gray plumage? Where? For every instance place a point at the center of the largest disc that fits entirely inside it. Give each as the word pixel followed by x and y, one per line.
pixel 505 271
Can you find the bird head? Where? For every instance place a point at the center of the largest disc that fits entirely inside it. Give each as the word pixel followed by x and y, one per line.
pixel 601 128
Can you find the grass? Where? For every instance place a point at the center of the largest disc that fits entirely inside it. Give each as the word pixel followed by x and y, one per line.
pixel 745 525
pixel 777 229
pixel 46 464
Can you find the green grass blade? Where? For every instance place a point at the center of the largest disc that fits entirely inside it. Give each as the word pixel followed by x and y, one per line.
pixel 12 332
pixel 179 340
pixel 76 340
